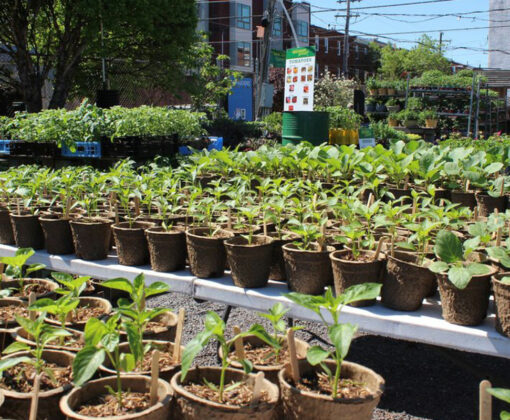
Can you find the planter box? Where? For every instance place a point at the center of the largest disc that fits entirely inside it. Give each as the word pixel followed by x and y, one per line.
pixel 84 149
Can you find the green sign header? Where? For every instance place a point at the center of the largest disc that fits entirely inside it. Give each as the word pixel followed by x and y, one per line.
pixel 277 59
pixel 300 52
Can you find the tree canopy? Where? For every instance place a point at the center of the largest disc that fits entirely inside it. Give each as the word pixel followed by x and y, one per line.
pixel 60 40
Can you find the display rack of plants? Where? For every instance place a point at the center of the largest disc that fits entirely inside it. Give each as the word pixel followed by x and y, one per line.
pixel 91 237
pixel 501 289
pixel 167 248
pixel 27 230
pixel 6 232
pixel 206 251
pixel 131 243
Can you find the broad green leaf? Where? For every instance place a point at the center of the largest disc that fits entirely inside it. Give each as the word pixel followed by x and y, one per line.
pixel 438 267
pixel 94 331
pixel 119 284
pixel 214 323
pixel 7 363
pixel 504 415
pixel 156 288
pixel 34 267
pixel 247 365
pixel 459 276
pixel 134 340
pixel 316 355
pixel 505 280
pixel 313 303
pixel 15 347
pixel 448 247
pixel 127 362
pixel 477 269
pixel 192 349
pixel 365 291
pixel 341 336
pixel 493 168
pixel 502 394
pixel 86 363
pixel 110 341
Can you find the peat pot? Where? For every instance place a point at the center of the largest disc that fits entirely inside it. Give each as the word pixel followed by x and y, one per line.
pixel 465 306
pixel 188 406
pixel 249 263
pixel 347 273
pixel 207 254
pixel 167 249
pixel 465 199
pixel 6 233
pixel 277 269
pixel 131 243
pixel 91 238
pixel 43 288
pixel 308 272
pixel 133 383
pixel 502 300
pixel 58 238
pixel 487 204
pixel 17 404
pixel 406 283
pixel 27 231
pixel 305 405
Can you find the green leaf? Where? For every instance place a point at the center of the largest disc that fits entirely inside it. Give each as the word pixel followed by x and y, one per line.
pixel 316 355
pixel 34 267
pixel 192 349
pixel 7 363
pixel 16 346
pixel 448 247
pixel 504 415
pixel 214 323
pixel 156 288
pixel 94 331
pixel 477 269
pixel 86 363
pixel 127 362
pixel 119 284
pixel 210 385
pixel 110 341
pixel 502 394
pixel 313 303
pixel 247 365
pixel 134 340
pixel 341 336
pixel 365 291
pixel 493 168
pixel 459 276
pixel 438 267
pixel 232 387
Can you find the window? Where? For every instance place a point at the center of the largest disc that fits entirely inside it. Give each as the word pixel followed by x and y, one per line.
pixel 243 16
pixel 326 45
pixel 243 54
pixel 277 27
pixel 302 30
pixel 339 46
pixel 317 43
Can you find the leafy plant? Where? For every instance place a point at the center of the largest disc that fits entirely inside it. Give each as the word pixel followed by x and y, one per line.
pixel 15 266
pixel 341 335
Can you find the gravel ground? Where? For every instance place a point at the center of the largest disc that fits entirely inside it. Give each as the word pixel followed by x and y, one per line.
pixel 422 381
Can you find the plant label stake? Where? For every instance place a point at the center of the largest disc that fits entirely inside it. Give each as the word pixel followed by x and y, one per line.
pixel 485 401
pixel 68 206
pixel 415 205
pixel 154 377
pixel 35 398
pixel 294 365
pixel 498 237
pixel 370 199
pixel 178 336
pixel 239 345
pixel 467 185
pixel 475 214
pixel 31 301
pixel 379 248
pixel 257 388
pixel 502 191
pixel 2 268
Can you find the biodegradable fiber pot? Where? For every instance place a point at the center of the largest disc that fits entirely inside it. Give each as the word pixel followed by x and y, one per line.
pixel 465 306
pixel 502 299
pixel 6 233
pixel 487 204
pixel 57 234
pixel 308 272
pixel 304 405
pixel 347 273
pixel 43 288
pixel 12 302
pixel 27 231
pixel 465 199
pixel 17 404
pixel 249 263
pixel 188 406
pixel 135 383
pixel 405 283
pixel 167 249
pixel 131 243
pixel 91 237
pixel 277 270
pixel 207 254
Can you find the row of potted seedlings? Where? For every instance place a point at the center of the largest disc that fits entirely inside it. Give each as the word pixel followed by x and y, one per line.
pixel 60 343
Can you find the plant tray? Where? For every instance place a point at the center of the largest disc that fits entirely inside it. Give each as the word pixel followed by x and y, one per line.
pixel 25 148
pixel 84 149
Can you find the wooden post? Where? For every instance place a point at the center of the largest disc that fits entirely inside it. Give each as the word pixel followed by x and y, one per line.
pixel 485 401
pixel 178 336
pixel 498 237
pixel 370 199
pixel 31 300
pixel 239 345
pixel 35 398
pixel 467 185
pixel 257 388
pixel 294 364
pixel 502 191
pixel 154 377
pixel 379 248
pixel 475 213
pixel 2 268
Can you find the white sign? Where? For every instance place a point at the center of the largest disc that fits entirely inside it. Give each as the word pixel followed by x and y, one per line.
pixel 366 143
pixel 299 79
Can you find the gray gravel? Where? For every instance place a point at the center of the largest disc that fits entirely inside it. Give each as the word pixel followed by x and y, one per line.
pixel 422 381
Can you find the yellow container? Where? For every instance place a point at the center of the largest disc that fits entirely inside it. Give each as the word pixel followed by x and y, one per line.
pixel 344 137
pixel 353 136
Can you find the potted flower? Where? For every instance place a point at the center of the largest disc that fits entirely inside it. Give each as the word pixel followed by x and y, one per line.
pixel 409 117
pixel 464 283
pixel 393 119
pixel 372 86
pixel 393 105
pixel 430 117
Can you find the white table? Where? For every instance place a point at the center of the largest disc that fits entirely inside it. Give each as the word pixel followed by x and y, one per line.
pixel 424 326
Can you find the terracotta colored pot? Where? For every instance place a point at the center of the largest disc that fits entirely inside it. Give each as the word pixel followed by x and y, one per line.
pixel 19 334
pixel 50 286
pixel 106 309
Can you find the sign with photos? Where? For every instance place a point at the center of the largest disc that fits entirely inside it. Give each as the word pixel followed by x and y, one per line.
pixel 299 79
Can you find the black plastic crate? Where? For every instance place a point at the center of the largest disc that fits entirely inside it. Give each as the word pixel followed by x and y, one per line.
pixel 25 148
pixel 139 147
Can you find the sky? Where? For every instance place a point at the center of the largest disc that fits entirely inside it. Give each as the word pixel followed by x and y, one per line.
pixel 365 21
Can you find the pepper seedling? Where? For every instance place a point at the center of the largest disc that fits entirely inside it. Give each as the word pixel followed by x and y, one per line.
pixel 15 266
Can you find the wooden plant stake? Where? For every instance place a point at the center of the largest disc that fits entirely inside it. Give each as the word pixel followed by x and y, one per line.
pixel 379 248
pixel 485 401
pixel 257 388
pixel 294 364
pixel 154 377
pixel 415 205
pixel 178 336
pixel 31 300
pixel 498 237
pixel 468 183
pixel 68 206
pixel 2 268
pixel 502 190
pixel 370 199
pixel 137 206
pixel 475 213
pixel 239 344
pixel 406 182
pixel 34 405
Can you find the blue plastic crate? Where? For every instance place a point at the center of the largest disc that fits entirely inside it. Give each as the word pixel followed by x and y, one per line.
pixel 86 149
pixel 216 143
pixel 5 147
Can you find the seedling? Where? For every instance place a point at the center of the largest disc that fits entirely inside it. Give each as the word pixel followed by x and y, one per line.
pixel 70 286
pixel 15 266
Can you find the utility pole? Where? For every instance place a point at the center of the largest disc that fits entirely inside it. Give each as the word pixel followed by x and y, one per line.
pixel 440 42
pixel 265 55
pixel 345 66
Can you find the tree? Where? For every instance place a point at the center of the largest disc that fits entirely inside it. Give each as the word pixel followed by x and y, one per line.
pixel 427 55
pixel 57 39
